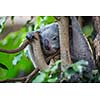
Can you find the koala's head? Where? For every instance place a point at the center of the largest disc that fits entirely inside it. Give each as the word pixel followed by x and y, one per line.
pixel 50 38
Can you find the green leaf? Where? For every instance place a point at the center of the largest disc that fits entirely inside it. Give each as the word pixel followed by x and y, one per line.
pixel 58 62
pixel 55 67
pixel 87 30
pixel 52 80
pixel 74 68
pixel 40 78
pixel 79 66
pixel 99 78
pixel 70 72
pixel 48 20
pixel 3 66
pixel 39 20
pixel 43 20
pixel 13 41
pixel 47 70
pixel 2 23
pixel 82 62
pixel 38 23
pixel 17 59
pixel 94 72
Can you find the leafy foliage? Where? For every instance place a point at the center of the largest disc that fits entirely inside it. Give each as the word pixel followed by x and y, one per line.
pixel 75 73
pixel 2 23
pixel 87 30
pixel 49 75
pixel 3 66
pixel 43 20
pixel 16 65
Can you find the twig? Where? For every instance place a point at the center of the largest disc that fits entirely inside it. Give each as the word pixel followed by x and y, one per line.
pixel 25 79
pixel 25 43
pixel 31 75
pixel 52 56
pixel 21 79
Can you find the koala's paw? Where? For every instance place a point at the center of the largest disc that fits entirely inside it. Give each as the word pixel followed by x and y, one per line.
pixel 30 35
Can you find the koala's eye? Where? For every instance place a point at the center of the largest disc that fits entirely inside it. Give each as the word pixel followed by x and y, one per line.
pixel 54 38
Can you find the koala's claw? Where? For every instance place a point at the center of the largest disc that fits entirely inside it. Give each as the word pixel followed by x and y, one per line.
pixel 30 36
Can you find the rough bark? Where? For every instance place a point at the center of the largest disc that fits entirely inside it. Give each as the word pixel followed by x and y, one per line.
pixel 64 41
pixel 96 23
pixel 38 54
pixel 97 50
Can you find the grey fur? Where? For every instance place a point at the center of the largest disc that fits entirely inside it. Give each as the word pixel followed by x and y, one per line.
pixel 79 47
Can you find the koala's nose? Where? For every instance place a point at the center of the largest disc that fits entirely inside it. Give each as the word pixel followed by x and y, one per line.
pixel 46 44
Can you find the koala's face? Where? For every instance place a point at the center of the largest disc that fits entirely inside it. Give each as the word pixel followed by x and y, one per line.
pixel 50 39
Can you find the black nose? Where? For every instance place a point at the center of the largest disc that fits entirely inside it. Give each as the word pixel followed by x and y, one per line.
pixel 46 44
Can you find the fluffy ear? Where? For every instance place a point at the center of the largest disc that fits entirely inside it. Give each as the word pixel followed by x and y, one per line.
pixel 56 25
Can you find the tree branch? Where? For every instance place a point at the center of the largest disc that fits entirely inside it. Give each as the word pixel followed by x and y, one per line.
pixel 52 56
pixel 31 75
pixel 25 43
pixel 64 40
pixel 96 23
pixel 18 23
pixel 38 54
pixel 25 79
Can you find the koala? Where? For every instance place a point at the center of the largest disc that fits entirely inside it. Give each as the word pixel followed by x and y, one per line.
pixel 49 38
pixel 80 49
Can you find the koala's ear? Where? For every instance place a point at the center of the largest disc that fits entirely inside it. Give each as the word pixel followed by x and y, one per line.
pixel 55 25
